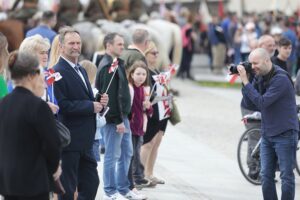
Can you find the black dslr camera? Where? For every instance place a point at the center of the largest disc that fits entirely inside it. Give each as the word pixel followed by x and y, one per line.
pixel 246 65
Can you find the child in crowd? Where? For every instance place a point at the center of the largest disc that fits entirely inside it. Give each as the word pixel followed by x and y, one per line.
pixel 137 78
pixel 284 51
pixel 91 71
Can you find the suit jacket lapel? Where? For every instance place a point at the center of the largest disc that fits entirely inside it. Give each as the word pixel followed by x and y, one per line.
pixel 90 90
pixel 76 75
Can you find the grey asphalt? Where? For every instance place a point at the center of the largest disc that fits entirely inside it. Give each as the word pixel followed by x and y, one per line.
pixel 197 158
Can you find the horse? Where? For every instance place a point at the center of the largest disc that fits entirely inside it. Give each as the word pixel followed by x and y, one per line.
pixel 166 36
pixel 14 31
pixel 170 34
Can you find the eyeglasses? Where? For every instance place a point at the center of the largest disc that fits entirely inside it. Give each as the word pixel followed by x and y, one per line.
pixel 154 53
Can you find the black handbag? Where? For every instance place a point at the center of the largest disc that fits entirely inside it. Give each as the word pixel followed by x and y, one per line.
pixel 64 134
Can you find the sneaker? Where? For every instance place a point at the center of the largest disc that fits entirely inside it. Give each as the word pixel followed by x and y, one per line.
pixel 115 196
pixel 156 180
pixel 135 195
pixel 120 197
pixel 106 197
pixel 135 190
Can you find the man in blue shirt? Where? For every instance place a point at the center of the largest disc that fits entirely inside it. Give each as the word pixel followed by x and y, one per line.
pixel 272 93
pixel 48 21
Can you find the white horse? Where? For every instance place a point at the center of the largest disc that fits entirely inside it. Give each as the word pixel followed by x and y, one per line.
pixel 91 36
pixel 166 36
pixel 170 34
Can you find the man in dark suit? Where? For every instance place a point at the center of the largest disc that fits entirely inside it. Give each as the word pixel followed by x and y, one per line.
pixel 77 111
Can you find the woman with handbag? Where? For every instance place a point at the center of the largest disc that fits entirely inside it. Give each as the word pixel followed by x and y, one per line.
pixel 29 139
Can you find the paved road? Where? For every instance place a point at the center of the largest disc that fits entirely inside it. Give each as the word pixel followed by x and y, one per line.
pixel 198 156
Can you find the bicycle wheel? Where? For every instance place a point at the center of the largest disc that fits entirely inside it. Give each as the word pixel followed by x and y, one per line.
pixel 244 155
pixel 298 160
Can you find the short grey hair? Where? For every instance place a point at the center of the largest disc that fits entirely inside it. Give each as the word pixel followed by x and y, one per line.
pixel 64 30
pixel 139 36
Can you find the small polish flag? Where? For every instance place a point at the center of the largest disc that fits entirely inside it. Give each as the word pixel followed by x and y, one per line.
pixel 173 68
pixel 161 78
pixel 52 76
pixel 113 66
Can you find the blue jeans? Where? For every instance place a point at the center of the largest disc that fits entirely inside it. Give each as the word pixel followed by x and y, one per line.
pixel 117 157
pixel 281 148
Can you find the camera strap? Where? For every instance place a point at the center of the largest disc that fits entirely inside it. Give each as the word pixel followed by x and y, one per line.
pixel 265 81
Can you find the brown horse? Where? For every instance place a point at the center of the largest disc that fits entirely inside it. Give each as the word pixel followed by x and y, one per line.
pixel 14 32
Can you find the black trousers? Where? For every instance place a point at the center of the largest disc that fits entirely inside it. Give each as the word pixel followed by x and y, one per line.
pixel 136 168
pixel 79 170
pixel 38 197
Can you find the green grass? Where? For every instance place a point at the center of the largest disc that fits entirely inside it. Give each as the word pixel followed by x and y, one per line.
pixel 219 84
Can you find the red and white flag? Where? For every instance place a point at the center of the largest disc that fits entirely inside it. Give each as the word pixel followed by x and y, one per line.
pixel 160 78
pixel 173 68
pixel 165 77
pixel 51 76
pixel 164 109
pixel 114 66
pixel 232 78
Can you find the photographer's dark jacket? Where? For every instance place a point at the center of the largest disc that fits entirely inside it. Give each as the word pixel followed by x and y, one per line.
pixel 274 96
pixel 118 92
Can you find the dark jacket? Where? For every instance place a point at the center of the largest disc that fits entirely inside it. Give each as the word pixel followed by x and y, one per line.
pixel 274 96
pixel 118 92
pixel 29 144
pixel 76 108
pixel 129 56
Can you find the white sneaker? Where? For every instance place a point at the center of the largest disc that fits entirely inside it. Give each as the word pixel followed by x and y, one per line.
pixel 135 195
pixel 115 196
pixel 106 197
pixel 120 197
pixel 134 190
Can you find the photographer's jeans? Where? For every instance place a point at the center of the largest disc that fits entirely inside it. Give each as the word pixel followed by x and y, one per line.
pixel 284 148
pixel 117 157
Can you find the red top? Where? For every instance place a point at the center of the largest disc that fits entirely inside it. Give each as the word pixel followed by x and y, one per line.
pixel 137 111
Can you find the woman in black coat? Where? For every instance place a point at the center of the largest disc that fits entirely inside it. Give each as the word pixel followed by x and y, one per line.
pixel 29 140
